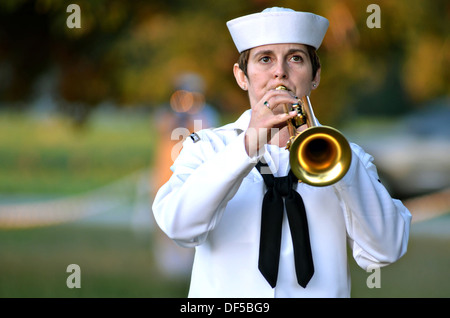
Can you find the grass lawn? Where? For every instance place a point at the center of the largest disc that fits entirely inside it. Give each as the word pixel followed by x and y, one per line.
pixel 116 262
pixel 423 272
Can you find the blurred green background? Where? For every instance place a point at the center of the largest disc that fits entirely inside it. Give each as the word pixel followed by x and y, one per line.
pixel 80 132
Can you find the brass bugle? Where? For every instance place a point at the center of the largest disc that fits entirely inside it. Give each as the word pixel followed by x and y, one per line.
pixel 319 155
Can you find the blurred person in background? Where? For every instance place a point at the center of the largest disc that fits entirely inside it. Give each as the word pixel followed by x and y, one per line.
pixel 219 195
pixel 187 110
pixel 175 120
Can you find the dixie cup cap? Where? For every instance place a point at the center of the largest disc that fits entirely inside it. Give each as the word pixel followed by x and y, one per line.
pixel 277 25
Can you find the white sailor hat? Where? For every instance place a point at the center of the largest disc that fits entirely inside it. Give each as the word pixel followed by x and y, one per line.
pixel 277 25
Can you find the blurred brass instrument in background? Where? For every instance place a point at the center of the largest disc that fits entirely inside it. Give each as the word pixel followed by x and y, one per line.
pixel 319 155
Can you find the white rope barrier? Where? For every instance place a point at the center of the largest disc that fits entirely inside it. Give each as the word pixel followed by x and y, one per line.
pixel 429 206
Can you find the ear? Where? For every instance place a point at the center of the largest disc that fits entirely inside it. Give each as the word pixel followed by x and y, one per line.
pixel 240 77
pixel 316 81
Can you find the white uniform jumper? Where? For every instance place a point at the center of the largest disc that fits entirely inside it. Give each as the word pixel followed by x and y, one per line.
pixel 213 202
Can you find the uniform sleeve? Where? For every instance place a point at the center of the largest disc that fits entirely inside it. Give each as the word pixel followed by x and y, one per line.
pixel 206 175
pixel 377 225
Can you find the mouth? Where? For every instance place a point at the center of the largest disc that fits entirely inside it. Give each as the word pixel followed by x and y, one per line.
pixel 282 87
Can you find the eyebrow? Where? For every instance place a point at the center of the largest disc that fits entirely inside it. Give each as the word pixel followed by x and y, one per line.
pixel 270 52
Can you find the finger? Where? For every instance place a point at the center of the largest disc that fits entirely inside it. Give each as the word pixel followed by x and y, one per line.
pixel 283 106
pixel 279 104
pixel 281 119
pixel 275 96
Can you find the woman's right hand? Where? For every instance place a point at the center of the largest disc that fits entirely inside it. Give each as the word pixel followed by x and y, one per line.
pixel 267 118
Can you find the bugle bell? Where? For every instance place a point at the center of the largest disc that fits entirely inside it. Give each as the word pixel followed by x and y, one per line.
pixel 319 155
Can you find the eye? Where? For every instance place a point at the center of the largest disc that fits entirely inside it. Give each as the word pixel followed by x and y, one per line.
pixel 296 58
pixel 265 59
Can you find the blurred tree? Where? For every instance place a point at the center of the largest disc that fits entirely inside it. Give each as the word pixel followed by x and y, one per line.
pixel 24 48
pixel 129 52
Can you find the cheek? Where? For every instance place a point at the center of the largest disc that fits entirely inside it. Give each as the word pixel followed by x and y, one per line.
pixel 303 73
pixel 257 84
pixel 303 80
pixel 253 95
pixel 258 75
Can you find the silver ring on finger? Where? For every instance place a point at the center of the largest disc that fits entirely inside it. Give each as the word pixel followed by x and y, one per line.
pixel 266 103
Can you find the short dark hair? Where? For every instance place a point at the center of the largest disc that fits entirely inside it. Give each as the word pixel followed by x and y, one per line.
pixel 315 61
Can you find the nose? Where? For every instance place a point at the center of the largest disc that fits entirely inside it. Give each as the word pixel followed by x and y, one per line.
pixel 281 70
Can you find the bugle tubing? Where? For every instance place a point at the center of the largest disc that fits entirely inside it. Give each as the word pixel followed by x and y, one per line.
pixel 320 155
